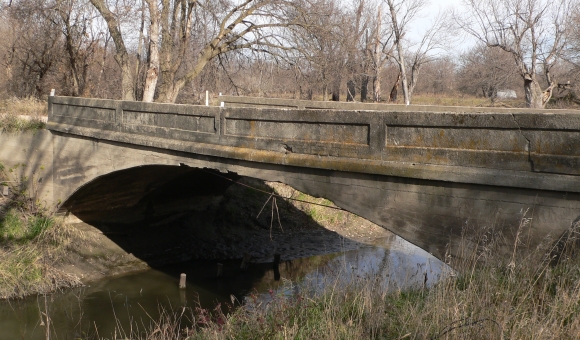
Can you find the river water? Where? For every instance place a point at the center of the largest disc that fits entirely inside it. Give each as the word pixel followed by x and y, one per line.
pixel 117 306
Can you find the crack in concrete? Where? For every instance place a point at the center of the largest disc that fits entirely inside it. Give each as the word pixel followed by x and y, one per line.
pixel 529 143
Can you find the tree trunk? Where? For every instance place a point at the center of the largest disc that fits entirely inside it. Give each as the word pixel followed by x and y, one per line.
pixel 170 88
pixel 377 59
pixel 127 90
pixel 533 93
pixel 415 70
pixel 336 89
pixel 69 47
pixel 175 28
pixel 364 88
pixel 351 91
pixel 102 65
pixel 400 55
pixel 377 88
pixel 153 68
pixel 121 55
pixel 395 90
pixel 139 63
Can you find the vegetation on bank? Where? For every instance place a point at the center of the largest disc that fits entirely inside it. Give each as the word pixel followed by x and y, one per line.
pixel 522 296
pixel 22 114
pixel 32 243
pixel 490 296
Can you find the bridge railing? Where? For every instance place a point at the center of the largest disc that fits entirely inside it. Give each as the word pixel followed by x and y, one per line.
pixel 260 102
pixel 514 147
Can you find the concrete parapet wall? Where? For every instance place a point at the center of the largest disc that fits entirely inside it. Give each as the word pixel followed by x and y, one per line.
pixel 513 148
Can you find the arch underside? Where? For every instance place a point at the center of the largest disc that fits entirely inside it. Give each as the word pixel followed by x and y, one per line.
pixel 434 215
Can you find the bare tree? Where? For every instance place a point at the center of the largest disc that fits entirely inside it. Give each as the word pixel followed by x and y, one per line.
pixel 412 56
pixel 80 42
pixel 33 48
pixel 532 31
pixel 121 55
pixel 322 44
pixel 226 26
pixel 379 49
pixel 401 13
pixel 152 75
pixel 485 71
pixel 573 53
pixel 433 40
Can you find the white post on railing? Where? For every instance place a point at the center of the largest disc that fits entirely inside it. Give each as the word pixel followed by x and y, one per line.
pixel 52 92
pixel 222 104
pixel 206 98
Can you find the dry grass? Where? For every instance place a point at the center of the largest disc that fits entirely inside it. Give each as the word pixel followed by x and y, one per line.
pixel 523 296
pixel 32 243
pixel 24 106
pixel 22 114
pixel 31 268
pixel 464 100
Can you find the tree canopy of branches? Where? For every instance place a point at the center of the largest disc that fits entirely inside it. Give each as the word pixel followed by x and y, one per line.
pixel 175 50
pixel 486 70
pixel 401 14
pixel 206 28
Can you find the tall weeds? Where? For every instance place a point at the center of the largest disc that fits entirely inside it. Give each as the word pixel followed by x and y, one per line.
pixel 32 242
pixel 523 296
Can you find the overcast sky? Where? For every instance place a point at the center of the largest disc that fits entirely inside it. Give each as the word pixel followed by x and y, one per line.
pixel 425 18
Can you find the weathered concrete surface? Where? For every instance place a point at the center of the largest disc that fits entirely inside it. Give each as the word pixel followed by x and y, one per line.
pixel 29 155
pixel 261 102
pixel 423 175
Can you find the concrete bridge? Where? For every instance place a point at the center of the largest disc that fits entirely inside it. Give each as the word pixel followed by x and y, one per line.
pixel 429 174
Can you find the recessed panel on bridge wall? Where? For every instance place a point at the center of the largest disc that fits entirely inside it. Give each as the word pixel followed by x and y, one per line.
pixel 93 117
pixel 168 125
pixel 555 151
pixel 476 147
pixel 320 138
pixel 300 131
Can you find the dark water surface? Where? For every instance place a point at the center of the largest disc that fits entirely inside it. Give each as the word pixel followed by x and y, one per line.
pixel 132 302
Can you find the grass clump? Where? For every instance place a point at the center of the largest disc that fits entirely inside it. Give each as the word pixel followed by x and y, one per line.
pixel 32 243
pixel 17 226
pixel 18 115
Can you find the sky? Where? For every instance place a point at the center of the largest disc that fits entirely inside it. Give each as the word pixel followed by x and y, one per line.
pixel 461 43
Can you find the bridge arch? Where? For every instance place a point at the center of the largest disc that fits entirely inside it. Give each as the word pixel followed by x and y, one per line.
pixel 141 192
pixel 425 175
pixel 423 212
